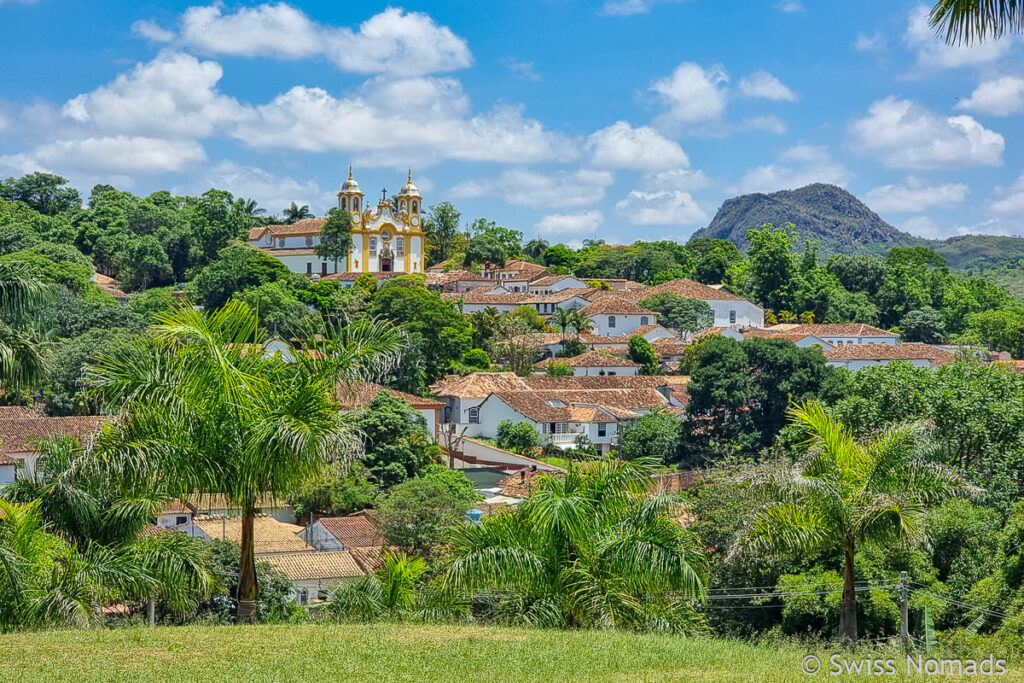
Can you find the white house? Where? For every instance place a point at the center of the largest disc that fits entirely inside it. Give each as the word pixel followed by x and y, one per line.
pixel 616 317
pixel 359 394
pixel 729 310
pixel 843 334
pixel 555 283
pixel 8 468
pixel 858 356
pixel 595 363
pixel 20 436
pixel 801 339
pixel 313 574
pixel 462 396
pixel 343 533
pixel 562 417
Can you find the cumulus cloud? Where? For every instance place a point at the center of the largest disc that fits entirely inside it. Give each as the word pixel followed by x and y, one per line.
pixel 686 180
pixel 563 226
pixel 643 148
pixel 934 53
pixel 392 42
pixel 430 122
pixel 764 85
pixel 866 43
pixel 999 97
pixel 923 226
pixel 800 165
pixel 116 155
pixel 666 207
pixel 175 95
pixel 564 190
pixel 1010 200
pixel 692 93
pixel 152 31
pixel 902 134
pixel 915 195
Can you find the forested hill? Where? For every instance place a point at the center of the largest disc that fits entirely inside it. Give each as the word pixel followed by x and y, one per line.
pixel 839 221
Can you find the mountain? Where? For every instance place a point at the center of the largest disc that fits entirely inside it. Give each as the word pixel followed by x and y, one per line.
pixel 839 221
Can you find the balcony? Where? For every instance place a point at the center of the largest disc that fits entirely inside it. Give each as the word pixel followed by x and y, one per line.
pixel 565 437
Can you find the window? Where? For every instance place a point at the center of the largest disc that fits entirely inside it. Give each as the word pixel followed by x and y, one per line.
pixel 373 245
pixel 415 207
pixel 560 427
pixel 355 204
pixel 385 235
pixel 643 320
pixel 309 267
pixel 474 415
pixel 602 429
pixel 309 241
pixel 611 321
pixel 344 204
pixel 180 519
pixel 732 317
pixel 323 269
pixel 400 246
pixel 447 413
pixel 280 242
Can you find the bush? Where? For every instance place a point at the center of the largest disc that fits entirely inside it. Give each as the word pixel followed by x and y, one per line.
pixel 557 368
pixel 516 436
pixel 417 514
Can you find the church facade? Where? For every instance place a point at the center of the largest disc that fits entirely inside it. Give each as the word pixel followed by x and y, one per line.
pixel 386 239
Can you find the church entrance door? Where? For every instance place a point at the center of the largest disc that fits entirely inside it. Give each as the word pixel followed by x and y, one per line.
pixel 385 265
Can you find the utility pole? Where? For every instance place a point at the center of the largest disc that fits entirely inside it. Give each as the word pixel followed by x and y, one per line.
pixel 904 600
pixel 151 612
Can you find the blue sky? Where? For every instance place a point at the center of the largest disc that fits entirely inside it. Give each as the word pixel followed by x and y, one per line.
pixel 620 119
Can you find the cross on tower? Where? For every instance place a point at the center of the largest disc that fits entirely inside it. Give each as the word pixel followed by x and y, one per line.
pixel 383 194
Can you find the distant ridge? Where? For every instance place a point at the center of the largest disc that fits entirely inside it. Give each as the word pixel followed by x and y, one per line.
pixel 839 221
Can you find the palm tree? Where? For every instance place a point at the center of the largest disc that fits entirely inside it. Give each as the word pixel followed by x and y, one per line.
pixel 593 242
pixel 596 548
pixel 564 320
pixel 535 248
pixel 206 411
pixel 252 210
pixel 581 322
pixel 21 292
pixel 968 21
pixel 845 492
pixel 296 213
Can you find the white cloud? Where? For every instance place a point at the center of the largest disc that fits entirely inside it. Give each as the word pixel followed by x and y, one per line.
pixel 270 30
pixel 915 195
pixel 392 42
pixel 270 192
pixel 801 165
pixel 422 120
pixel 934 53
pixel 563 190
pixel 768 123
pixel 999 97
pixel 866 43
pixel 120 155
pixel 567 225
pixel 175 95
pixel 643 148
pixel 676 179
pixel 667 207
pixel 901 134
pixel 789 6
pixel 923 226
pixel 152 31
pixel 522 70
pixel 764 85
pixel 691 93
pixel 1010 199
pixel 625 8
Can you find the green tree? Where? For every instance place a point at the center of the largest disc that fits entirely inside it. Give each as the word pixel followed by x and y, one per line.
pixel 236 268
pixel 559 255
pixel 441 224
pixel 843 493
pixel 296 213
pixel 214 221
pixel 516 436
pixel 923 325
pixel 594 549
pixel 278 309
pixel 772 268
pixel 21 362
pixel 417 514
pixel 46 193
pixel 655 435
pixel 336 493
pixel 557 368
pixel 641 351
pixel 200 413
pixel 335 236
pixel 143 262
pixel 535 248
pixel 395 439
pixel 685 316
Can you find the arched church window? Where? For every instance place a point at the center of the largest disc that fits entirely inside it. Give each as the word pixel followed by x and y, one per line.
pixel 373 245
pixel 400 246
pixel 611 321
pixel 415 207
pixel 385 235
pixel 355 204
pixel 732 317
pixel 643 320
pixel 344 204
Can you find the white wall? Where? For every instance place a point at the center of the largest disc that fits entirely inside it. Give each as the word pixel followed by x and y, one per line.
pixel 624 324
pixel 859 364
pixel 321 539
pixel 844 340
pixel 488 453
pixel 592 372
pixel 7 474
pixel 746 313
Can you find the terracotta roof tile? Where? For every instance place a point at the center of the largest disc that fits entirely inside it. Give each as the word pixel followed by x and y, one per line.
pixel 478 384
pixel 361 393
pixel 557 405
pixel 683 287
pixel 20 435
pixel 909 351
pixel 613 305
pixel 312 565
pixel 594 359
pixel 353 531
pixel 840 330
pixel 269 535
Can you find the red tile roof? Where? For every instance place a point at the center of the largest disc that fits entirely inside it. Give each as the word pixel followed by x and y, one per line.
pixel 685 288
pixel 840 330
pixel 20 435
pixel 613 305
pixel 909 351
pixel 353 531
pixel 307 226
pixel 594 359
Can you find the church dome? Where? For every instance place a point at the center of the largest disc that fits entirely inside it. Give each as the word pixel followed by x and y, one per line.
pixel 410 190
pixel 350 185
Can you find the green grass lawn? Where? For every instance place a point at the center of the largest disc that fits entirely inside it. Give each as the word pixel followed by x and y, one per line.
pixel 397 653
